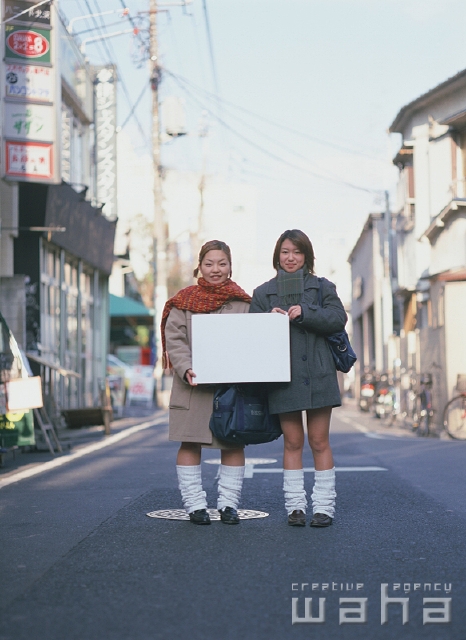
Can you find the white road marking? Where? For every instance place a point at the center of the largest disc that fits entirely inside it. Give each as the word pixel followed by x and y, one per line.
pixel 377 436
pixel 251 471
pixel 249 464
pixel 248 461
pixel 58 462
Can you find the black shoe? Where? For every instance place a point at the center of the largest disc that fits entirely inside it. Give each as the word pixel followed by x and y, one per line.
pixel 228 515
pixel 297 518
pixel 321 520
pixel 199 517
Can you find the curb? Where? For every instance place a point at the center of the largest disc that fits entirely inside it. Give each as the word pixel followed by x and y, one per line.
pixel 28 469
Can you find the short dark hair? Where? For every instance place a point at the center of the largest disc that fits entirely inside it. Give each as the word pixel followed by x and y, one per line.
pixel 300 239
pixel 212 245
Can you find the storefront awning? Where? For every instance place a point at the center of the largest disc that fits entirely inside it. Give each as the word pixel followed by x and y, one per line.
pixel 127 307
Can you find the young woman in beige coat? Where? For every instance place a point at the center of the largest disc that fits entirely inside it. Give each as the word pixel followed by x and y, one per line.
pixel 191 405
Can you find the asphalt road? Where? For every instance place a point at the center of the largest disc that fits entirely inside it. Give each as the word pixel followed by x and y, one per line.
pixel 80 559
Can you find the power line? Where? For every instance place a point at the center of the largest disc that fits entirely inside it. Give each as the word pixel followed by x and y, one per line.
pixel 110 57
pixel 280 145
pixel 266 151
pixel 111 24
pixel 198 47
pixel 212 57
pixel 102 43
pixel 135 105
pixel 87 23
pixel 211 47
pixel 172 32
pixel 133 24
pixel 279 125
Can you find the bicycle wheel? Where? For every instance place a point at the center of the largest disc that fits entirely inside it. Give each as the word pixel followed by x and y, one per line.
pixel 454 418
pixel 417 409
pixel 423 413
pixel 424 423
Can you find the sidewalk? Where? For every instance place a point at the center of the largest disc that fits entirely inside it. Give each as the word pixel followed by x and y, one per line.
pixel 72 440
pixel 384 426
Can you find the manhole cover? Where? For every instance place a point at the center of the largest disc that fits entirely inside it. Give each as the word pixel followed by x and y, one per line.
pixel 180 514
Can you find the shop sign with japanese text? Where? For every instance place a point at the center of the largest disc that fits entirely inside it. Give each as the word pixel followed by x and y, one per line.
pixel 105 124
pixel 33 15
pixel 29 122
pixel 29 160
pixel 27 44
pixel 30 82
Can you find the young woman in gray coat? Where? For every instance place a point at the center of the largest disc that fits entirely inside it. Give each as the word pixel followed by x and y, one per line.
pixel 191 405
pixel 313 387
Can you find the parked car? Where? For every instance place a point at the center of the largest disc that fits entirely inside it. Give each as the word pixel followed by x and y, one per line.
pixel 117 368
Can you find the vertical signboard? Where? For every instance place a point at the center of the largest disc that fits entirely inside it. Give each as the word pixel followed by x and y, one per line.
pixel 105 129
pixel 28 89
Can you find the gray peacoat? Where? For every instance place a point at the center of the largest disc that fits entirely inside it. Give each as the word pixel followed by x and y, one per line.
pixel 313 374
pixel 190 408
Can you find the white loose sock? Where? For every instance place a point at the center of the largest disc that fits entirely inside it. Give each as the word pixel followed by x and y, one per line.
pixel 324 494
pixel 190 484
pixel 230 483
pixel 293 487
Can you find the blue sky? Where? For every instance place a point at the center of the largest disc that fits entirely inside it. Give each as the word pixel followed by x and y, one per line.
pixel 333 70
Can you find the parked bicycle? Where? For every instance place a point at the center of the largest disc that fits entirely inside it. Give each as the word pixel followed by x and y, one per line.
pixel 384 405
pixel 367 391
pixel 454 415
pixel 423 410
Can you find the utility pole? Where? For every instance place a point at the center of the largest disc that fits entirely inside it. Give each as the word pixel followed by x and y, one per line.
pixel 198 237
pixel 159 228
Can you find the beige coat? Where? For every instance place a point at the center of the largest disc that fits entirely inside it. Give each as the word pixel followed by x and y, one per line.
pixel 191 407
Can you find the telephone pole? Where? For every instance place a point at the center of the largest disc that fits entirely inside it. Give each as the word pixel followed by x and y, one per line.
pixel 159 227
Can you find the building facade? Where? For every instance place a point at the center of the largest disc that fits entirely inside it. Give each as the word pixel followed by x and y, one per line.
pixel 56 245
pixel 427 236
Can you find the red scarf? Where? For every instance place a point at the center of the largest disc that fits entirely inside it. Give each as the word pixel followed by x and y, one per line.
pixel 200 298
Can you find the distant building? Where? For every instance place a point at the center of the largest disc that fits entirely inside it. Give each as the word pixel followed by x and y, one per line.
pixel 54 281
pixel 371 308
pixel 431 232
pixel 427 248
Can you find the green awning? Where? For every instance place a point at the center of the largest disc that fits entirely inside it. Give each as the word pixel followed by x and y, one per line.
pixel 124 307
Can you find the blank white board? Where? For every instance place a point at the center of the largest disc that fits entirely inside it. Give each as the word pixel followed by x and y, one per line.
pixel 241 347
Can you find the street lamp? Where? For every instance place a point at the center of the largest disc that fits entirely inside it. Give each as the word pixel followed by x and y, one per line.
pixel 82 48
pixel 123 13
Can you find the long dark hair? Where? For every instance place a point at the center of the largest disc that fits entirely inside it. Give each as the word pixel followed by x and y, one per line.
pixel 212 245
pixel 299 239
